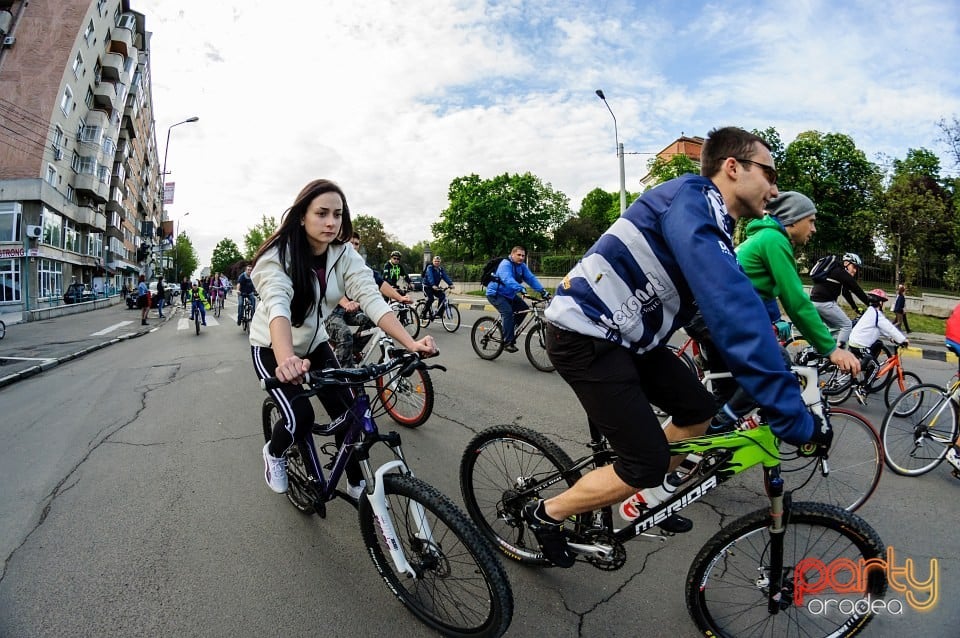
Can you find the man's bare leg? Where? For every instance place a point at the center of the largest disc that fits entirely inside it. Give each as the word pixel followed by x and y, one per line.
pixel 674 434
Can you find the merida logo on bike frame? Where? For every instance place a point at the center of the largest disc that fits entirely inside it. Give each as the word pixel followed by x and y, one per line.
pixel 688 497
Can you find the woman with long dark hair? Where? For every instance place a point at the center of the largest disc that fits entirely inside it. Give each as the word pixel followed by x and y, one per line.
pixel 301 272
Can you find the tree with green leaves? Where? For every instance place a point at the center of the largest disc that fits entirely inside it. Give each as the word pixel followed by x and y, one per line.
pixel 951 137
pixel 185 259
pixel 255 236
pixel 663 170
pixel 225 254
pixel 489 216
pixel 846 187
pixel 772 138
pixel 373 239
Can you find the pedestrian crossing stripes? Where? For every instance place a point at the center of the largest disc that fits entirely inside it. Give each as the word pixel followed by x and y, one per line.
pixel 185 323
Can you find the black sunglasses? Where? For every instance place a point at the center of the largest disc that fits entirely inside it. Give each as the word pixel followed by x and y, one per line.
pixel 769 171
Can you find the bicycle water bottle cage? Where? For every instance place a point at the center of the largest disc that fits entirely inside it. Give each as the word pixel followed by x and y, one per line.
pixel 330 449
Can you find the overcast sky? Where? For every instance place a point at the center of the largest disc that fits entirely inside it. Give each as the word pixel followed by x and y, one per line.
pixel 394 99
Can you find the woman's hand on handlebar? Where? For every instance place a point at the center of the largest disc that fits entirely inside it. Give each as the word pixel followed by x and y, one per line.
pixel 426 347
pixel 292 369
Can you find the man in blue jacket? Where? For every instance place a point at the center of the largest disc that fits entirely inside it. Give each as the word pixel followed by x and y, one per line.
pixel 668 255
pixel 433 274
pixel 503 292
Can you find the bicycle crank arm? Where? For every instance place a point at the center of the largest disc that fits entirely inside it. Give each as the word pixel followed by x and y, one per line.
pixel 824 467
pixel 382 514
pixel 596 550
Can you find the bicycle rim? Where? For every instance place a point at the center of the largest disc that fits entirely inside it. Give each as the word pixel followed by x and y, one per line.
pixel 835 384
pixel 897 387
pixel 460 588
pixel 727 587
pixel 496 464
pixel 536 347
pixel 408 400
pixel 485 336
pixel 450 318
pixel 880 382
pixel 917 437
pixel 408 319
pixel 854 465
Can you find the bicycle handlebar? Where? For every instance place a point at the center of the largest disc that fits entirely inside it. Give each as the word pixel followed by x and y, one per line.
pixel 406 361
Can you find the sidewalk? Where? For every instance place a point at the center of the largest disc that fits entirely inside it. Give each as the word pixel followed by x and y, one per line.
pixel 30 348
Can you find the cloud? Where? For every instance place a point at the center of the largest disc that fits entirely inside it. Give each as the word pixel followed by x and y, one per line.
pixel 394 100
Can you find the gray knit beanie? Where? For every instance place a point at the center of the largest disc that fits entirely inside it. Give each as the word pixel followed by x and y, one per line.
pixel 790 207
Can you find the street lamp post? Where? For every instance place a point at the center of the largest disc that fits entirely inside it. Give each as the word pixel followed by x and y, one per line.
pixel 163 183
pixel 616 137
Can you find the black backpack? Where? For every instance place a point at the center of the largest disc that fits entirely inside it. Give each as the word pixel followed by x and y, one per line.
pixel 822 268
pixel 489 273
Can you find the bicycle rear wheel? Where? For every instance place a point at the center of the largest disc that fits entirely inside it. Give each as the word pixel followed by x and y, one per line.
pixel 728 584
pixel 299 492
pixel 486 338
pixel 460 588
pixel 880 382
pixel 408 400
pixel 895 388
pixel 849 475
pixel 497 467
pixel 536 347
pixel 835 384
pixel 450 317
pixel 918 430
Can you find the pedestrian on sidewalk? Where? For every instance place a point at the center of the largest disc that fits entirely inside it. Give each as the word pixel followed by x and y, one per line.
pixel 900 310
pixel 161 296
pixel 143 299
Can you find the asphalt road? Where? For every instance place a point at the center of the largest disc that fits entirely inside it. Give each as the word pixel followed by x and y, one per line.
pixel 133 504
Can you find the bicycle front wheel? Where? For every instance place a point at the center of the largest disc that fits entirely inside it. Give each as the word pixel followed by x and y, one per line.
pixel 408 400
pixel 728 585
pixel 918 430
pixel 497 472
pixel 486 336
pixel 450 318
pixel 460 588
pixel 896 387
pixel 3 330
pixel 536 347
pixel 879 382
pixel 196 322
pixel 850 473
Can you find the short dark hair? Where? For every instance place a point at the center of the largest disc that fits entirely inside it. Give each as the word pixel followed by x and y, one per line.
pixel 355 235
pixel 729 141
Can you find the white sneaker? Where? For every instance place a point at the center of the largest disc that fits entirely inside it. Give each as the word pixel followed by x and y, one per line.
pixel 953 458
pixel 275 471
pixel 354 491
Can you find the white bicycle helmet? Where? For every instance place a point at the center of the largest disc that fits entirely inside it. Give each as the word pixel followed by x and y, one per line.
pixel 853 258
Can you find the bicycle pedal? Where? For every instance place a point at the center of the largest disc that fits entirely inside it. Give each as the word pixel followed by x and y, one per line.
pixel 657 536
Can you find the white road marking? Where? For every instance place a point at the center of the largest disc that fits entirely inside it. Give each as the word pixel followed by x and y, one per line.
pixel 115 326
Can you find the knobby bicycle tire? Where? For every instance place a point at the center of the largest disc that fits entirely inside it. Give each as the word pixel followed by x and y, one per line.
pixel 726 587
pixel 855 463
pixel 496 462
pixel 916 438
pixel 408 400
pixel 450 317
pixel 298 481
pixel 486 337
pixel 894 389
pixel 461 588
pixel 536 348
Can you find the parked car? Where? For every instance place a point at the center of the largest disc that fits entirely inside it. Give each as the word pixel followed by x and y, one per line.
pixel 167 294
pixel 77 292
pixel 416 282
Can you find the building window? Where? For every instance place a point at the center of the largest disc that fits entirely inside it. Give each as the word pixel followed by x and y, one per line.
pixel 116 15
pixel 91 134
pixel 109 147
pixel 71 194
pixel 66 102
pixel 88 100
pixel 49 278
pixel 101 6
pixel 78 65
pixel 57 142
pixel 51 176
pixel 10 221
pixel 88 32
pixel 71 236
pixel 95 244
pixel 52 229
pixel 9 280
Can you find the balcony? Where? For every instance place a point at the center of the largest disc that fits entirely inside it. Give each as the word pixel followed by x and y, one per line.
pixel 121 38
pixel 90 217
pixel 105 97
pixel 112 67
pixel 86 184
pixel 97 119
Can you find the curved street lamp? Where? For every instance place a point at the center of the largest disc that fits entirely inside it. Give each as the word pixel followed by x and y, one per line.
pixel 616 137
pixel 163 184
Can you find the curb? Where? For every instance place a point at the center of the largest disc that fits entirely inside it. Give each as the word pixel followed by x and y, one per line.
pixel 49 364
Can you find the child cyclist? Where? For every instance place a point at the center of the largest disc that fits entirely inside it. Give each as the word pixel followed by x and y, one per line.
pixel 865 337
pixel 198 302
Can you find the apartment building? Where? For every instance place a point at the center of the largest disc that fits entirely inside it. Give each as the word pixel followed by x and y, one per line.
pixel 80 187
